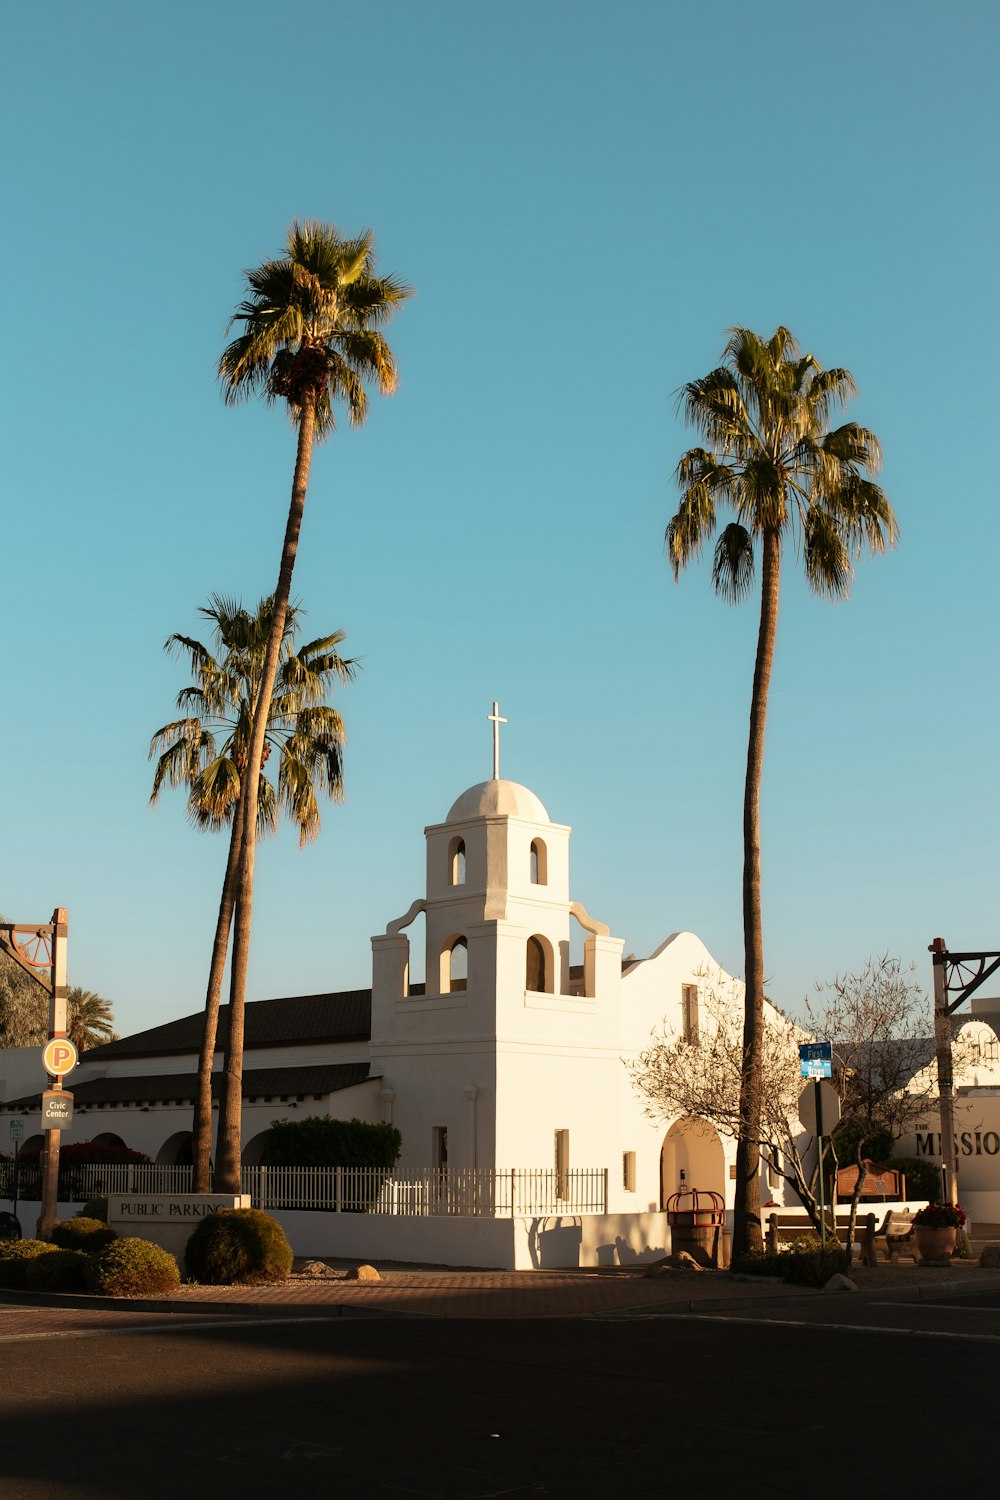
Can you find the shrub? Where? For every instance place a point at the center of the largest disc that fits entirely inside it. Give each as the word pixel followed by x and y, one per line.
pixel 16 1255
pixel 321 1141
pixel 802 1263
pixel 80 1233
pixel 238 1245
pixel 62 1271
pixel 94 1208
pixel 876 1141
pixel 759 1263
pixel 814 1266
pixel 923 1177
pixel 132 1268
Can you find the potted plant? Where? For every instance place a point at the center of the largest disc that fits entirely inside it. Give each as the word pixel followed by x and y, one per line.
pixel 935 1228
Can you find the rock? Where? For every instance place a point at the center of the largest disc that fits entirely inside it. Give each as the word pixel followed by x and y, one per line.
pixel 838 1283
pixel 363 1273
pixel 681 1261
pixel 990 1258
pixel 315 1268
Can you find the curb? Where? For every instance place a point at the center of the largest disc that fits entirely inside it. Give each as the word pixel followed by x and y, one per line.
pixel 73 1302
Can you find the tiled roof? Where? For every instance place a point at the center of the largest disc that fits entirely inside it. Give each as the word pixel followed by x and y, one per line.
pixel 165 1088
pixel 342 1017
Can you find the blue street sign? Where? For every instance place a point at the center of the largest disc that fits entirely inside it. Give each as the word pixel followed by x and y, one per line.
pixel 816 1059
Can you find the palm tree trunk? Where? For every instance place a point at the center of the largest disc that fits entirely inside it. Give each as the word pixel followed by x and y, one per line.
pixel 227 1172
pixel 202 1133
pixel 746 1209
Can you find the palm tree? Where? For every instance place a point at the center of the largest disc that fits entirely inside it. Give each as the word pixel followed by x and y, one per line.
pixel 310 337
pixel 788 480
pixel 309 738
pixel 90 1020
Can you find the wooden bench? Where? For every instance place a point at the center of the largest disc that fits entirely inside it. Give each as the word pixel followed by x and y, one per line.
pixel 895 1232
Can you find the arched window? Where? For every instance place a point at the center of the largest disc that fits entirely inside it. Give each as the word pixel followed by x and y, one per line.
pixel 454 965
pixel 538 971
pixel 456 862
pixel 539 863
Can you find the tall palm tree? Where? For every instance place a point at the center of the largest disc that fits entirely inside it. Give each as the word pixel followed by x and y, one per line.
pixel 789 480
pixel 310 336
pixel 308 736
pixel 90 1018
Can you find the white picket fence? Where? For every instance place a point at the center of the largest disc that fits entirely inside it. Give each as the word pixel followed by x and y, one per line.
pixel 478 1192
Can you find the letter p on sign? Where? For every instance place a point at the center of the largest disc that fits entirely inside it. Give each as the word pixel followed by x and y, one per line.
pixel 59 1057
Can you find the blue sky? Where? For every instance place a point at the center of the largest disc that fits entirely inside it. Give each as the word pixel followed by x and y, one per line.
pixel 584 200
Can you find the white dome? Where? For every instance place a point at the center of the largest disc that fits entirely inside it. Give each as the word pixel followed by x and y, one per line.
pixel 497 799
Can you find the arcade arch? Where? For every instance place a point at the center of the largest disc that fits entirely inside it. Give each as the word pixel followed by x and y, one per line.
pixel 692 1156
pixel 176 1150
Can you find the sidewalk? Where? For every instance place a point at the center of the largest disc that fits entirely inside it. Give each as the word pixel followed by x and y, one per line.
pixel 425 1292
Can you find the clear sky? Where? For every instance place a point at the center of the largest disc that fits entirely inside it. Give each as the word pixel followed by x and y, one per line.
pixel 584 198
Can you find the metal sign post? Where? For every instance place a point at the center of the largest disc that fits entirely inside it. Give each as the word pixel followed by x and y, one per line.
pixel 41 949
pixel 956 975
pixel 816 1062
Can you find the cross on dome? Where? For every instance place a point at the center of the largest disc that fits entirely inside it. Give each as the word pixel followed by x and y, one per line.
pixel 495 719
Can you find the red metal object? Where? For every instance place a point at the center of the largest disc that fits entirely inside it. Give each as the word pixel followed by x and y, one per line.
pixel 703 1210
pixel 36 949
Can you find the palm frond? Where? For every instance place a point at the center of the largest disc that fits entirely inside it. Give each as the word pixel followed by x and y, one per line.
pixel 732 564
pixel 827 562
pixel 691 526
pixel 853 444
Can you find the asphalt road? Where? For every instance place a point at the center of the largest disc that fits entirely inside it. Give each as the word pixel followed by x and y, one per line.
pixel 900 1397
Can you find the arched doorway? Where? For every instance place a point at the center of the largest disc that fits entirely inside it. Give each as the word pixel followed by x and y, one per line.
pixel 692 1157
pixel 253 1152
pixel 176 1150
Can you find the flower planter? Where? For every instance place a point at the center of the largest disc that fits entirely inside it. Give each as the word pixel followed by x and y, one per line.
pixel 935 1246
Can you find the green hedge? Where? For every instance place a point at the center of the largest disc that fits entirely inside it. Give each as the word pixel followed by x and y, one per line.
pixel 923 1177
pixel 238 1247
pixel 321 1141
pixel 16 1256
pixel 81 1233
pixel 62 1271
pixel 132 1268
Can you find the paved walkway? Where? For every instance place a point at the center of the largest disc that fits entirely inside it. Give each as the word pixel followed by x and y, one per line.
pixel 427 1293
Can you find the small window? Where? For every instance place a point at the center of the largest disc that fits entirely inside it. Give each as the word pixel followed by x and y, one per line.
pixel 537 968
pixel 456 862
pixel 439 1145
pixel 454 966
pixel 628 1171
pixel 773 1174
pixel 689 1013
pixel 562 1163
pixel 539 863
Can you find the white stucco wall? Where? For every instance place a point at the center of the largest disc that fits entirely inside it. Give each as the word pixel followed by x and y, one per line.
pixel 501 1244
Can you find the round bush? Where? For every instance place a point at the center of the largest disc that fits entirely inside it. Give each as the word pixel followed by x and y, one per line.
pixel 239 1246
pixel 83 1234
pixel 15 1257
pixel 62 1271
pixel 94 1208
pixel 132 1268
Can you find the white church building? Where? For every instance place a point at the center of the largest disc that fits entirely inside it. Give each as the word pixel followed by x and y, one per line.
pixel 507 1060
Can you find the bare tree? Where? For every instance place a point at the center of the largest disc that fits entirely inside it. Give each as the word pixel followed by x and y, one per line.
pixel 877 1021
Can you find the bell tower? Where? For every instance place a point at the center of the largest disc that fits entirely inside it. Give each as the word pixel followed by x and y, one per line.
pixel 497 913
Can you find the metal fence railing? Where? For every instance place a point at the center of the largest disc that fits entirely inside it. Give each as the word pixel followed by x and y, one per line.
pixel 478 1192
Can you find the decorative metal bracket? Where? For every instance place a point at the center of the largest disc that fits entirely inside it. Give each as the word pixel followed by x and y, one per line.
pixel 963 972
pixel 34 952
